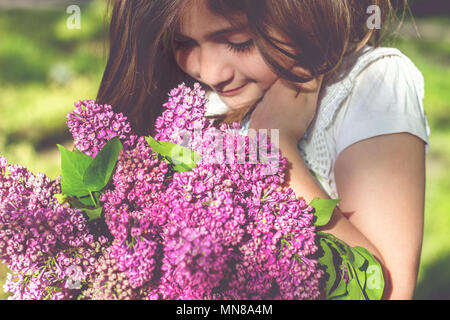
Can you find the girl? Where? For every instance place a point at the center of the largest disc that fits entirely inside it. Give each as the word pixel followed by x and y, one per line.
pixel 349 112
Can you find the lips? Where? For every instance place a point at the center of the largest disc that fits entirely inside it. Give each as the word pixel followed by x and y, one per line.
pixel 231 92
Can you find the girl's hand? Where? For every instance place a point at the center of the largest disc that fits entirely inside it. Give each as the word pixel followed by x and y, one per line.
pixel 289 107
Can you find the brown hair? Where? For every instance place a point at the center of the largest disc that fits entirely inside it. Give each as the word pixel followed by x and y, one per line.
pixel 141 68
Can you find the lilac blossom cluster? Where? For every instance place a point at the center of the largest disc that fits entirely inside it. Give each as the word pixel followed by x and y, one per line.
pixel 92 125
pixel 224 230
pixel 45 244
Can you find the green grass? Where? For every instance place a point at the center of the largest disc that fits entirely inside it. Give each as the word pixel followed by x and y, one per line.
pixel 434 273
pixel 45 68
pixel 432 57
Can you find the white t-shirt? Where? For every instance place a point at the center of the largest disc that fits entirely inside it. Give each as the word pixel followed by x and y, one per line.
pixel 375 91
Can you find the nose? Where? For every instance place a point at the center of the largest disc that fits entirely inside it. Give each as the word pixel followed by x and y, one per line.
pixel 214 69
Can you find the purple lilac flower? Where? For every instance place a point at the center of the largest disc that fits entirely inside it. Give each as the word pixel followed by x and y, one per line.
pixel 138 181
pixel 223 204
pixel 184 114
pixel 92 125
pixel 194 263
pixel 21 189
pixel 280 252
pixel 40 239
pixel 136 260
pixel 109 283
pixel 225 230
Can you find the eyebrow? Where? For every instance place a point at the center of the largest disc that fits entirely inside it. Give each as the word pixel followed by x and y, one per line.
pixel 215 33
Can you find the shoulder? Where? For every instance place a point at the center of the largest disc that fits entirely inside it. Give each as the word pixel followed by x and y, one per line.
pixel 388 71
pixel 376 70
pixel 388 82
pixel 386 97
pixel 382 66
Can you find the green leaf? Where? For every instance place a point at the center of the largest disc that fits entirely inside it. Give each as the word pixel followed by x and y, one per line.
pixel 335 255
pixel 77 203
pixel 161 148
pixel 87 201
pixel 374 274
pixel 182 158
pixel 340 246
pixel 323 210
pixel 327 261
pixel 360 265
pixel 93 213
pixel 84 201
pixel 353 291
pixel 365 274
pixel 340 293
pixel 73 167
pixel 98 173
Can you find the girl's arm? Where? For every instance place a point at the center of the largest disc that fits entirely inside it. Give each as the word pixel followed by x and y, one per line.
pixel 303 183
pixel 381 183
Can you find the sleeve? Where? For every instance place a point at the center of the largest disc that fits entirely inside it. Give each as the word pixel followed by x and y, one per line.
pixel 387 97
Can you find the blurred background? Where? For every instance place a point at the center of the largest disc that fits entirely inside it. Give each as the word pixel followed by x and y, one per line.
pixel 45 67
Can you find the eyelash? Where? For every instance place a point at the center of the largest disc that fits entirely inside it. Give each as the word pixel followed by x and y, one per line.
pixel 236 47
pixel 241 47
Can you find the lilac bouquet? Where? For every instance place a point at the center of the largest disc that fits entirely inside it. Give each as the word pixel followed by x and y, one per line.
pixel 196 212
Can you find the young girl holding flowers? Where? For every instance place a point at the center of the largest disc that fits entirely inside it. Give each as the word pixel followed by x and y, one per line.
pixel 349 112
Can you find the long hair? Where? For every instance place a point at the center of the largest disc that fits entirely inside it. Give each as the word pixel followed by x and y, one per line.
pixel 141 68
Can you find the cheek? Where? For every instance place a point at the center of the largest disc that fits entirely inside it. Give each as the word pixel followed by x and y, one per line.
pixel 256 68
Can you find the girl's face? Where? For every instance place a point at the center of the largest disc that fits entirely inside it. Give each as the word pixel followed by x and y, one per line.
pixel 223 59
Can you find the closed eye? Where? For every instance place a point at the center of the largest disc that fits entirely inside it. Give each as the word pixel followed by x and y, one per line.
pixel 241 47
pixel 236 47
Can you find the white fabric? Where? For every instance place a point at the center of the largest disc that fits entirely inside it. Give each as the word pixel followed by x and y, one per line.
pixel 215 105
pixel 374 92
